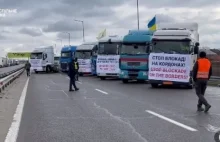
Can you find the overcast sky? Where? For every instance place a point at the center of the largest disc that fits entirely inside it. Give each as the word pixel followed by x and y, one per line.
pixel 42 22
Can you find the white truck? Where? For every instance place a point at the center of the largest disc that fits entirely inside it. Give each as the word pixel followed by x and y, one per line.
pixel 107 64
pixel 3 62
pixel 42 59
pixel 175 47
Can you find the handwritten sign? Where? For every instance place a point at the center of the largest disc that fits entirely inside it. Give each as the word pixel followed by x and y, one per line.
pixel 169 67
pixel 84 65
pixel 107 64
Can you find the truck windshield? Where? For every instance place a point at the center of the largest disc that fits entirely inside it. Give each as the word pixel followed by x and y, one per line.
pixel 36 56
pixel 109 49
pixel 83 54
pixel 131 49
pixel 66 54
pixel 56 58
pixel 171 47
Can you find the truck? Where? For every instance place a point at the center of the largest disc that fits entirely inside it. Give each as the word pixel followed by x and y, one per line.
pixel 3 62
pixel 84 54
pixel 175 47
pixel 42 59
pixel 107 64
pixel 67 53
pixel 57 63
pixel 134 56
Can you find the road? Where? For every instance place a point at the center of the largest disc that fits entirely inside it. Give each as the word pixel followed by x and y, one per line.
pixel 109 111
pixel 8 69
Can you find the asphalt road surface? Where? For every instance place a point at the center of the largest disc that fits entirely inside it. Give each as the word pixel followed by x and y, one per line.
pixel 110 111
pixel 8 69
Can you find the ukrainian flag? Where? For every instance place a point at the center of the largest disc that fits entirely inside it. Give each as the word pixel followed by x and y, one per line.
pixel 101 34
pixel 152 24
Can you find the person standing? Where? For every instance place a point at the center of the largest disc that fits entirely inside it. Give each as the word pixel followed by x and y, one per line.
pixel 202 72
pixel 28 67
pixel 76 65
pixel 72 74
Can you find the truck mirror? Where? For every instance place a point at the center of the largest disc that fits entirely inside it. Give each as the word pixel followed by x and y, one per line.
pixel 196 50
pixel 197 44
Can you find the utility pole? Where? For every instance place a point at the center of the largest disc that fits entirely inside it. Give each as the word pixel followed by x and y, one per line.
pixel 82 28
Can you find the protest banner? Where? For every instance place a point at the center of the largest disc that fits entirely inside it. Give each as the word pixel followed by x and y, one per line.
pixel 84 65
pixel 169 67
pixel 107 64
pixel 18 55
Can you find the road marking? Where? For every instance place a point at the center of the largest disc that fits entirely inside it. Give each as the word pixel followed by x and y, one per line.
pixel 171 121
pixel 102 91
pixel 79 82
pixel 65 93
pixel 53 82
pixel 14 129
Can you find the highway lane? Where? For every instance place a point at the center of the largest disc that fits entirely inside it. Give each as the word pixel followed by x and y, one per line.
pixel 107 111
pixel 8 69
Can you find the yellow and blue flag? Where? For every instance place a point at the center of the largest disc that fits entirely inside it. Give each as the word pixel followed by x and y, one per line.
pixel 101 34
pixel 152 24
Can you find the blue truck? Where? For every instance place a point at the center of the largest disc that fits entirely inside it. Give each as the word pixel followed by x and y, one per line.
pixel 67 53
pixel 84 53
pixel 134 55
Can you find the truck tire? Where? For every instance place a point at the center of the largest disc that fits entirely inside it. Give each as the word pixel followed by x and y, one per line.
pixel 102 78
pixel 154 85
pixel 48 69
pixel 140 81
pixel 36 72
pixel 124 80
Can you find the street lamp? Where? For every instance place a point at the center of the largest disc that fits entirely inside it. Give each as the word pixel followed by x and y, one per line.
pixel 82 27
pixel 137 14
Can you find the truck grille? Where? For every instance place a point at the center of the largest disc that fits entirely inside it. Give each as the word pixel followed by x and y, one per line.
pixel 133 73
pixel 133 63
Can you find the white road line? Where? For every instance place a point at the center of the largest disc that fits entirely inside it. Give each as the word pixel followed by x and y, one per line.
pixel 79 82
pixel 53 82
pixel 171 121
pixel 14 129
pixel 101 91
pixel 65 93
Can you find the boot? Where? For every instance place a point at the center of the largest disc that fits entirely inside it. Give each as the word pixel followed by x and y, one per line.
pixel 199 107
pixel 207 108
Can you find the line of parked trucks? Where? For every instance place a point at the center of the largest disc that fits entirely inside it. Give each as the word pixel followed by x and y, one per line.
pixel 6 62
pixel 165 56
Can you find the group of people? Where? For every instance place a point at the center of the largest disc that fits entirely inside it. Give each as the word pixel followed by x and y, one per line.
pixel 202 72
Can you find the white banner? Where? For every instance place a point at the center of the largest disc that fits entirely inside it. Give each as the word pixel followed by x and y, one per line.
pixel 84 65
pixel 36 62
pixel 108 64
pixel 169 67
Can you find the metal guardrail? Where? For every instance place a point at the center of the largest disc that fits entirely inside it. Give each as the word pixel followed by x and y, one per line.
pixel 4 82
pixel 3 75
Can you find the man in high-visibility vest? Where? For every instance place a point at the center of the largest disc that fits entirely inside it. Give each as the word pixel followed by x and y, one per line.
pixel 76 66
pixel 202 72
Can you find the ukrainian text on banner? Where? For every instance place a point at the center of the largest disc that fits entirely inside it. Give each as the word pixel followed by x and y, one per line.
pixel 107 64
pixel 84 65
pixel 169 67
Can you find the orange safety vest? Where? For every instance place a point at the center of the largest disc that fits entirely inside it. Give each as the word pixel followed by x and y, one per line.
pixel 203 68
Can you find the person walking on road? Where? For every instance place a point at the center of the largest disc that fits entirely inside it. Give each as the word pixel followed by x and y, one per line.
pixel 28 67
pixel 202 72
pixel 76 65
pixel 72 74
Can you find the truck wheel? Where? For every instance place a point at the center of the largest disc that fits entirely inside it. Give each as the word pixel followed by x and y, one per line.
pixel 36 72
pixel 102 78
pixel 124 80
pixel 191 86
pixel 48 69
pixel 140 81
pixel 154 85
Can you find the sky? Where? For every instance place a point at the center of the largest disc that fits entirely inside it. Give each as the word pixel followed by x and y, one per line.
pixel 26 24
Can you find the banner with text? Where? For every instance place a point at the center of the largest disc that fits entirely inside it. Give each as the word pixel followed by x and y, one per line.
pixel 107 64
pixel 19 55
pixel 84 65
pixel 169 67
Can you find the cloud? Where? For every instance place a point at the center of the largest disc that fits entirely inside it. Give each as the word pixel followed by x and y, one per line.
pixel 41 22
pixel 31 31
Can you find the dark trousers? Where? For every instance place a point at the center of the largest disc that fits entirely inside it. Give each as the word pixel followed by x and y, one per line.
pixel 28 72
pixel 77 75
pixel 200 87
pixel 72 83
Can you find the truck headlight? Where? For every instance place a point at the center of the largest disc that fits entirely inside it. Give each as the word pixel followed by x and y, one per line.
pixel 122 73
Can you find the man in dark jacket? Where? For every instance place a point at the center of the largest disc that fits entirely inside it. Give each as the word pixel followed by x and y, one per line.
pixel 28 67
pixel 72 74
pixel 76 65
pixel 202 72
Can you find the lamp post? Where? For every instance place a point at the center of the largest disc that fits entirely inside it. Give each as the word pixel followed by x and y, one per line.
pixel 138 14
pixel 82 27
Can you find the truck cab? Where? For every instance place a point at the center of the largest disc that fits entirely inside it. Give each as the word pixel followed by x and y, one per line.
pixel 134 55
pixel 107 64
pixel 174 51
pixel 84 53
pixel 42 59
pixel 67 53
